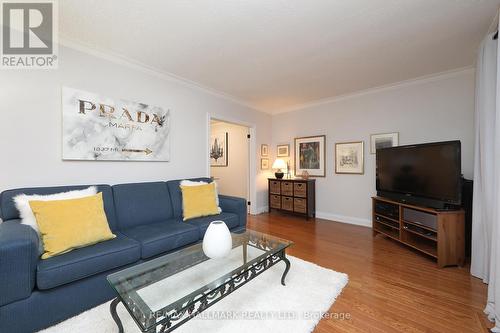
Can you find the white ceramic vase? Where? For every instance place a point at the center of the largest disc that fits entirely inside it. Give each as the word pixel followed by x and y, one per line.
pixel 217 242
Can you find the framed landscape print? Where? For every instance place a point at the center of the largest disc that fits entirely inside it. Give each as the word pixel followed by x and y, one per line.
pixel 219 149
pixel 264 163
pixel 349 157
pixel 310 155
pixel 283 151
pixel 264 150
pixel 384 140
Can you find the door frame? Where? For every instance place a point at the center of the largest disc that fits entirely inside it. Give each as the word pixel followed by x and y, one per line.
pixel 252 151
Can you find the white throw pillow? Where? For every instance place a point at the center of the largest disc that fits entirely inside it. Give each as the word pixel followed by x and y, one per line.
pixel 201 182
pixel 23 206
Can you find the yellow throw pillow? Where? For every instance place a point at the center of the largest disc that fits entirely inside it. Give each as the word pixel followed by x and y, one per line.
pixel 70 224
pixel 199 201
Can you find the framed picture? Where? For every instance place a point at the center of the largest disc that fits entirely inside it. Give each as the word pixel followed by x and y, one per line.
pixel 264 163
pixel 349 157
pixel 310 155
pixel 219 149
pixel 383 140
pixel 283 150
pixel 264 150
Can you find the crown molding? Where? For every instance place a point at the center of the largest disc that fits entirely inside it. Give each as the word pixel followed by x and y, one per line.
pixel 150 70
pixel 393 86
pixel 167 76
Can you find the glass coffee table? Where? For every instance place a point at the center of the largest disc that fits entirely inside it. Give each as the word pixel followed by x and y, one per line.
pixel 165 292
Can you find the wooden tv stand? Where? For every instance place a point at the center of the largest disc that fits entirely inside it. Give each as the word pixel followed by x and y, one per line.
pixel 444 242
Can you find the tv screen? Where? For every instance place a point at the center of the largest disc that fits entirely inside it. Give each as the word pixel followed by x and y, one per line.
pixel 430 170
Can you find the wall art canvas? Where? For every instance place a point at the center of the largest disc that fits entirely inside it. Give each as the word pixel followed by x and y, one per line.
pixel 283 150
pixel 99 128
pixel 219 149
pixel 310 155
pixel 384 140
pixel 349 157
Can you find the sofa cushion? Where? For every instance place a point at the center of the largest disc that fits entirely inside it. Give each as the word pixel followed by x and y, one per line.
pixel 66 225
pixel 142 203
pixel 202 223
pixel 176 194
pixel 22 203
pixel 8 210
pixel 87 261
pixel 198 201
pixel 157 238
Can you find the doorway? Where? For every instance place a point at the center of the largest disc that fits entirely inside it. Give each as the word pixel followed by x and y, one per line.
pixel 229 157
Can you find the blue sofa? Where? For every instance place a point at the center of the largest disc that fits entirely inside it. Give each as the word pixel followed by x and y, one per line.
pixel 145 217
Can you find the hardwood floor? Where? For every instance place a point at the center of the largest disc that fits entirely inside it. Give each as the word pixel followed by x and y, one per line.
pixel 391 287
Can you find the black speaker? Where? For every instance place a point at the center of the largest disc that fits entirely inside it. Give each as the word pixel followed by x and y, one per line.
pixel 417 216
pixel 467 190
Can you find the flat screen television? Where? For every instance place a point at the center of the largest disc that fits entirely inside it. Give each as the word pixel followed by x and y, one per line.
pixel 425 174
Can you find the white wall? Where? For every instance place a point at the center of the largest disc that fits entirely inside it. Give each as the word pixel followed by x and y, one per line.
pixel 233 179
pixel 436 109
pixel 30 128
pixel 30 124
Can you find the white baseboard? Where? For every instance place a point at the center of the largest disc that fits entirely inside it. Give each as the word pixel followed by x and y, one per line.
pixel 328 216
pixel 344 219
pixel 260 210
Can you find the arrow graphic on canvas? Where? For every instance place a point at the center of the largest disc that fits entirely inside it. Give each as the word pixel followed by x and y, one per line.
pixel 147 151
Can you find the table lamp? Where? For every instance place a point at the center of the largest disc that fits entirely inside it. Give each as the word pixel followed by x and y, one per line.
pixel 279 164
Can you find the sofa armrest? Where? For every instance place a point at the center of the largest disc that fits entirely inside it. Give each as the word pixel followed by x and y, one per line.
pixel 18 261
pixel 234 205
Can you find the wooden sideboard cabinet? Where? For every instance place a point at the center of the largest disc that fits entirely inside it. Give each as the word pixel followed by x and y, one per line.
pixel 293 195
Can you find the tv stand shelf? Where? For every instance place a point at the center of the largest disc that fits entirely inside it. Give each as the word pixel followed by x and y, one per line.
pixel 436 233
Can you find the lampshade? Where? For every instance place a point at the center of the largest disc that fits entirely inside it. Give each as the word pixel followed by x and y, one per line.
pixel 279 164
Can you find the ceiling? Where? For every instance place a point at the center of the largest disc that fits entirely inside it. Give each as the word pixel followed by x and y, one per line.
pixel 279 54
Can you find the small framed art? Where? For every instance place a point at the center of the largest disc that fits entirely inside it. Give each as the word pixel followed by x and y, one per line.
pixel 383 140
pixel 349 157
pixel 264 163
pixel 283 150
pixel 218 149
pixel 264 150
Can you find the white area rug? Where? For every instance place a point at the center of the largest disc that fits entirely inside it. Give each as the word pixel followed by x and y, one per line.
pixel 262 305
